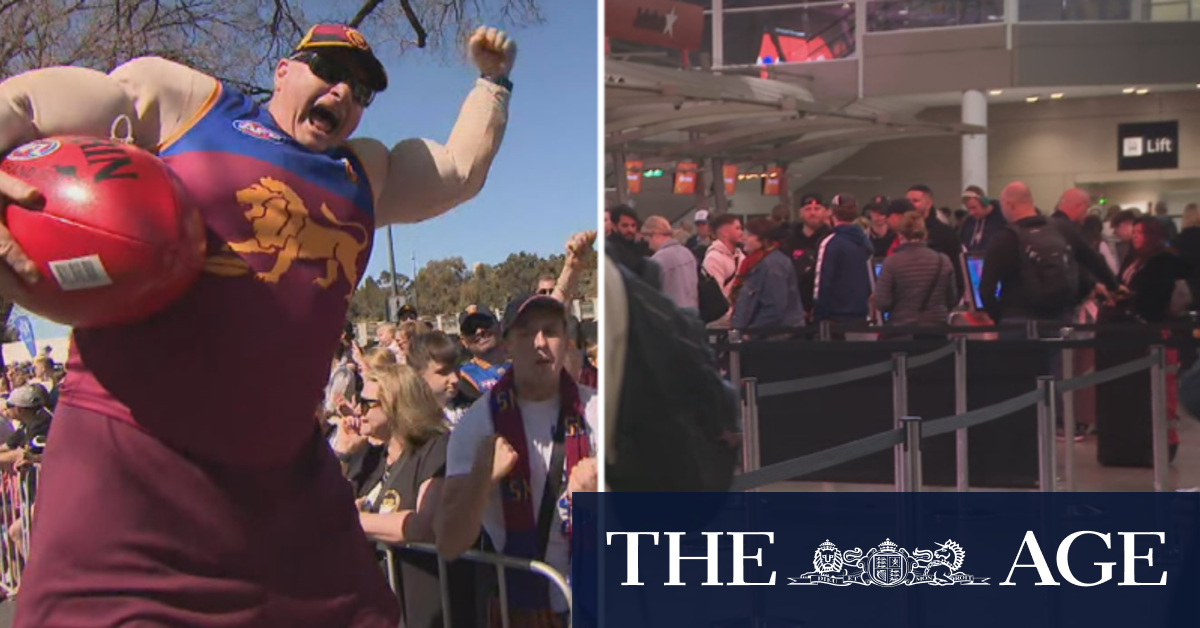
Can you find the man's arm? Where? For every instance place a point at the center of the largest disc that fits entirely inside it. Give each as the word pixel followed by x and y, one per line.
pixel 159 97
pixel 1001 260
pixel 1090 259
pixel 578 254
pixel 419 179
pixel 747 303
pixel 459 517
pixel 826 275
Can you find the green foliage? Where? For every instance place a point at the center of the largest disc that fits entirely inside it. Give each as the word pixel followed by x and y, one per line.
pixel 447 286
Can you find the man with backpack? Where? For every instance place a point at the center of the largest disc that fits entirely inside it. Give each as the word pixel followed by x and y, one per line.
pixel 1036 264
pixel 723 259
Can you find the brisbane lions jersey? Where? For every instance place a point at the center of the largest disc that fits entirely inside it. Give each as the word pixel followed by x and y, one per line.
pixel 233 372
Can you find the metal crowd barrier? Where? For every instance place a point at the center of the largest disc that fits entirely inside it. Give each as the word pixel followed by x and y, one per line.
pixel 17 492
pixel 500 561
pixel 905 438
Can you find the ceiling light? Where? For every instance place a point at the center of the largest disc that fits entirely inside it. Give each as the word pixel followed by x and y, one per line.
pixel 1031 99
pixel 1143 91
pixel 1056 96
pixel 1130 90
pixel 997 92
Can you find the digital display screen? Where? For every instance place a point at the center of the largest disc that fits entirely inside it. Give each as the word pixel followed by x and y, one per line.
pixel 975 275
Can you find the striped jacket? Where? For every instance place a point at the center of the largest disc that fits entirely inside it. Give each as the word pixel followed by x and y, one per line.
pixel 906 277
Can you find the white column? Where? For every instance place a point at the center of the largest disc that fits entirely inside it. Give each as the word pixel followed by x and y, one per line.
pixel 860 32
pixel 975 147
pixel 718 33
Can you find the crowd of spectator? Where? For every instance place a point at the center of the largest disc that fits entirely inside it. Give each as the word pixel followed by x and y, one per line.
pixel 451 440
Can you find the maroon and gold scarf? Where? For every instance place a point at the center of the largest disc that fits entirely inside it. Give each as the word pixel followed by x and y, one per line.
pixel 527 591
pixel 748 265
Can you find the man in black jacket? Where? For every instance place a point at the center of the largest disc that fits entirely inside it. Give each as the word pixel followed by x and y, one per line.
pixel 1069 216
pixel 806 239
pixel 942 237
pixel 1003 260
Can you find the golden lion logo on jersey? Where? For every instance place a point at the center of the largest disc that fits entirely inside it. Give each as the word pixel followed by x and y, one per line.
pixel 283 228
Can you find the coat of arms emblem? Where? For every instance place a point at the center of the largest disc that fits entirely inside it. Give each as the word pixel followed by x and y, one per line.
pixel 888 565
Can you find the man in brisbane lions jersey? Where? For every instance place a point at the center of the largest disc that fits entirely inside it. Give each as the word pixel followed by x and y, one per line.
pixel 197 492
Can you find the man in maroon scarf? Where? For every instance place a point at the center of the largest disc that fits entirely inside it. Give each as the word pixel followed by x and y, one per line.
pixel 516 457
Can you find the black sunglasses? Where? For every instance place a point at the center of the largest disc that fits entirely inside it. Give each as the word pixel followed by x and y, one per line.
pixel 367 404
pixel 332 72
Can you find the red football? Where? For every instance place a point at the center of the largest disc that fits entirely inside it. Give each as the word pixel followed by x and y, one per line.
pixel 116 240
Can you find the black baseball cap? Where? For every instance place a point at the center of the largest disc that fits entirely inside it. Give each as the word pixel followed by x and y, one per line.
pixel 524 303
pixel 899 206
pixel 877 204
pixel 810 198
pixel 474 318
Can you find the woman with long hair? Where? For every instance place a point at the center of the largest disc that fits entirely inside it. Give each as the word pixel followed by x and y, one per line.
pixel 1149 274
pixel 1152 277
pixel 409 491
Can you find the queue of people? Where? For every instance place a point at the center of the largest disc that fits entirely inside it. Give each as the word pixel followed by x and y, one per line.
pixel 904 263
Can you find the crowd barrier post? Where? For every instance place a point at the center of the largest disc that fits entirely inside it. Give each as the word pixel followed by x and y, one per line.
pixel 899 411
pixel 1068 417
pixel 1031 330
pixel 962 480
pixel 823 331
pixel 735 362
pixel 28 479
pixel 750 443
pixel 1047 420
pixel 1158 416
pixel 912 454
pixel 447 608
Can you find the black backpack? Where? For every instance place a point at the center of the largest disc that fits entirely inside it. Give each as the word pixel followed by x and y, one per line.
pixel 674 404
pixel 713 303
pixel 1049 271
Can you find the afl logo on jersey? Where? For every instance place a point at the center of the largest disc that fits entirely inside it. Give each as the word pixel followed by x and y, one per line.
pixel 34 150
pixel 254 129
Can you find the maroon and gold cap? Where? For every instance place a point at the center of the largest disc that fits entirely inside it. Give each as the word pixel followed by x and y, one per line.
pixel 339 36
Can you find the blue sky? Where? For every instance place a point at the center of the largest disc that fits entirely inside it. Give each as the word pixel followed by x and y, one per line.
pixel 543 185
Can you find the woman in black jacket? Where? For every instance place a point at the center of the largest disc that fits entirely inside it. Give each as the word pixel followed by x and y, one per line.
pixel 1149 275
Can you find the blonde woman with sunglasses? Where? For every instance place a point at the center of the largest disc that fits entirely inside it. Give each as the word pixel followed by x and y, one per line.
pixel 401 507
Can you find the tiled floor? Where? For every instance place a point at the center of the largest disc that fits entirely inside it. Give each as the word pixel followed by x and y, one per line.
pixel 1089 475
